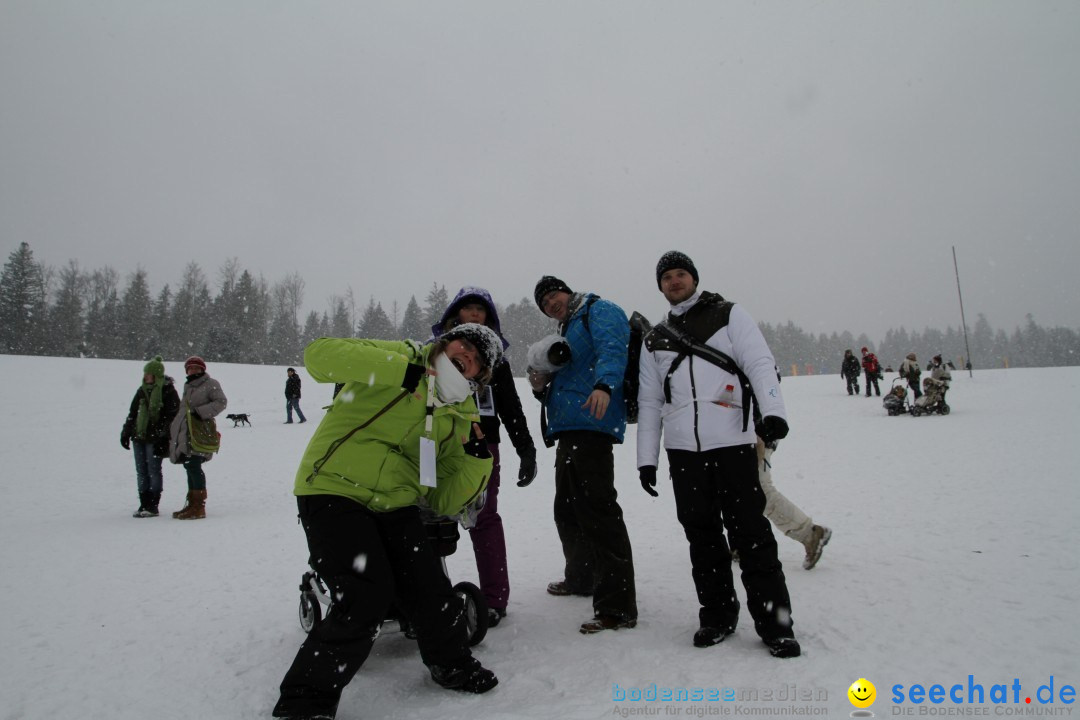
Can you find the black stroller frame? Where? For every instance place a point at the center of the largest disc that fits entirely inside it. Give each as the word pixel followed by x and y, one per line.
pixel 896 400
pixel 443 535
pixel 933 400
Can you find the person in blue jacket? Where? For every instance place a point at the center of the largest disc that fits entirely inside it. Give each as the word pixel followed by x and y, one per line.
pixel 585 414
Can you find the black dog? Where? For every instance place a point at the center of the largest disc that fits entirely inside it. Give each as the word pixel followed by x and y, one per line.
pixel 239 419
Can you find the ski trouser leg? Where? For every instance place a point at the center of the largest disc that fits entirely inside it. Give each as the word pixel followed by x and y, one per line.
pixel 697 505
pixel 489 542
pixel 743 506
pixel 784 514
pixel 423 591
pixel 590 523
pixel 338 531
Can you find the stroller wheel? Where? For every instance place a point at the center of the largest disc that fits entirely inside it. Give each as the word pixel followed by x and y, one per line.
pixel 916 411
pixel 944 409
pixel 310 610
pixel 476 611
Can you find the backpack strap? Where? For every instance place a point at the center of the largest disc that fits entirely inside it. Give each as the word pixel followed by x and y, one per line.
pixel 681 335
pixel 584 318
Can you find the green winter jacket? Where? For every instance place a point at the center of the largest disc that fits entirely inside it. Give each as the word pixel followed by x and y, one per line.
pixel 367 447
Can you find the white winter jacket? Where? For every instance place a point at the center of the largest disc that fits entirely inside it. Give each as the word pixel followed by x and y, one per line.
pixel 693 420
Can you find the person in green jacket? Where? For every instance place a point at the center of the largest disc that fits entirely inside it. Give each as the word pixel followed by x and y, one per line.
pixel 401 434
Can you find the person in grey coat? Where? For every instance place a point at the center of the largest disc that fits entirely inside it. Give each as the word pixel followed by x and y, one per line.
pixel 203 400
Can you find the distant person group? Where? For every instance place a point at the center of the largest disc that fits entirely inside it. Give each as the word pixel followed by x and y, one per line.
pixel 928 395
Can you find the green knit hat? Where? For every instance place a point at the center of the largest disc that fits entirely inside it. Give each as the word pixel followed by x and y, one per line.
pixel 155 367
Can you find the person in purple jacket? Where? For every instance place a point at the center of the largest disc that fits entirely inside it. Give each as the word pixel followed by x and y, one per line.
pixel 498 401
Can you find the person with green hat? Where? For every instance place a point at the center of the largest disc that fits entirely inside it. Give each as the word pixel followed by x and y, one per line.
pixel 146 432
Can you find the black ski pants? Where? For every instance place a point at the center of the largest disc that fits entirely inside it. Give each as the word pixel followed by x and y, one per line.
pixel 368 560
pixel 719 489
pixel 590 523
pixel 852 383
pixel 872 378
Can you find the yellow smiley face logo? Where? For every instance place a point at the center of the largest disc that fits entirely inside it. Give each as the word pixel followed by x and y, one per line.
pixel 862 693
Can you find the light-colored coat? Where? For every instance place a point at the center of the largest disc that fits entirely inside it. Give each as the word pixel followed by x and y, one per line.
pixel 910 370
pixel 204 397
pixel 693 420
pixel 940 372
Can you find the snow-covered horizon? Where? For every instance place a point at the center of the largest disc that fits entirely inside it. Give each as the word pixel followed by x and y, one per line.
pixel 952 556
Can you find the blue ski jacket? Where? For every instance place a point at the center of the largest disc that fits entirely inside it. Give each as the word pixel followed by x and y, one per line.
pixel 598 349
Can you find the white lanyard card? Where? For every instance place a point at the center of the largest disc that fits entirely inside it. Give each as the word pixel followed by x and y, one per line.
pixel 427 462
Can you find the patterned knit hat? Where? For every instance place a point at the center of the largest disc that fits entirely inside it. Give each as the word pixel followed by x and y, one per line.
pixel 673 259
pixel 195 360
pixel 547 284
pixel 155 367
pixel 487 343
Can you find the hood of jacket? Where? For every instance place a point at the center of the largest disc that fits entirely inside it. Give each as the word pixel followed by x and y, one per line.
pixel 467 294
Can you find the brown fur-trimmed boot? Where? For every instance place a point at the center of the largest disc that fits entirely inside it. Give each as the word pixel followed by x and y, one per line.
pixel 196 507
pixel 187 504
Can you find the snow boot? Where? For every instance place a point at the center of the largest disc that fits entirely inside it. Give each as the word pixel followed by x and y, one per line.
pixel 494 616
pixel 309 709
pixel 152 507
pixel 143 502
pixel 783 647
pixel 187 502
pixel 607 622
pixel 195 508
pixel 819 538
pixel 709 636
pixel 467 676
pixel 561 589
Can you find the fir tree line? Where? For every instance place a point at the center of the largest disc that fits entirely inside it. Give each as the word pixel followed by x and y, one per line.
pixel 78 313
pixel 72 312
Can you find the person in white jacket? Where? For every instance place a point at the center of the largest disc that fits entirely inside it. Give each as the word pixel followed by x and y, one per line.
pixel 702 410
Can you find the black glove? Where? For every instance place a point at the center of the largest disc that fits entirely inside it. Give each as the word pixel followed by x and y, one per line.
pixel 477 448
pixel 772 428
pixel 648 479
pixel 125 440
pixel 413 373
pixel 527 467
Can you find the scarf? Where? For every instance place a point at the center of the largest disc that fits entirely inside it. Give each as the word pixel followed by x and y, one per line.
pixel 450 385
pixel 150 405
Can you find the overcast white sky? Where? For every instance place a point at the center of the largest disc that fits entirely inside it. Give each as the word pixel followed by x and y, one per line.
pixel 817 160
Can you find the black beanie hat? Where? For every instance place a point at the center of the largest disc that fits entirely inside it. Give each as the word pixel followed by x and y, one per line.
pixel 674 259
pixel 484 339
pixel 545 285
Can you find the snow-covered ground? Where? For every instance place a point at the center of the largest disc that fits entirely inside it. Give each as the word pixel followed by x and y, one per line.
pixel 953 556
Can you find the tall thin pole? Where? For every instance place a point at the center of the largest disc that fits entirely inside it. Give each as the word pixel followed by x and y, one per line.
pixel 963 322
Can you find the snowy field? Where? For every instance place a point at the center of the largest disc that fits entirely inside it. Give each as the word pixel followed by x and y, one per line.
pixel 953 555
